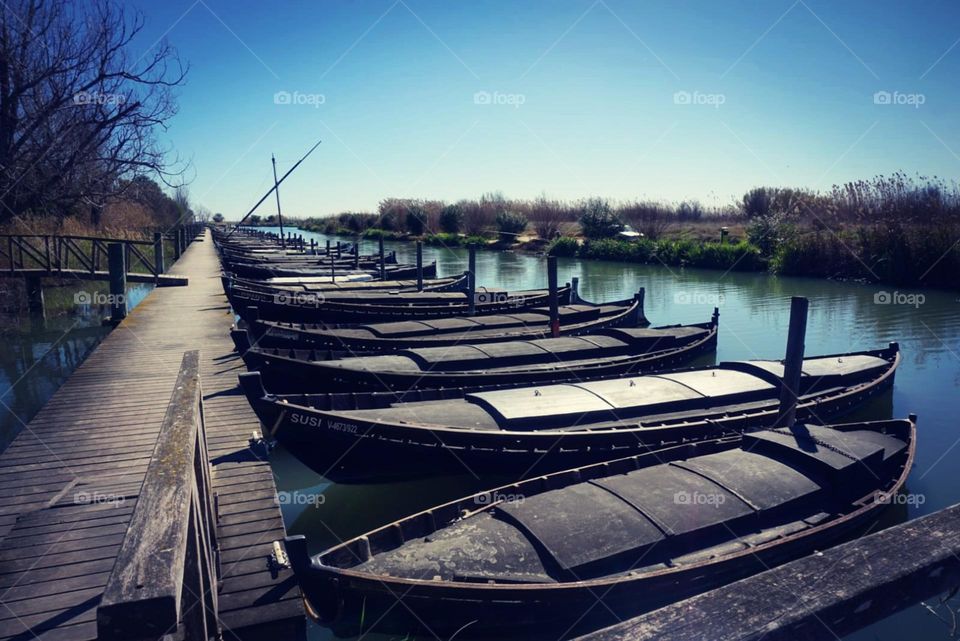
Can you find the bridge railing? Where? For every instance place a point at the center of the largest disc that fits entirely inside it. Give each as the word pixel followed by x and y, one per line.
pixel 166 575
pixel 54 254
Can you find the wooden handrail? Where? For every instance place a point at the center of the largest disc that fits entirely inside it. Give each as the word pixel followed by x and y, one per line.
pixel 165 577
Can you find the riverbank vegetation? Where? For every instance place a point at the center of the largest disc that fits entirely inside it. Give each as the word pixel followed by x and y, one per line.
pixel 896 229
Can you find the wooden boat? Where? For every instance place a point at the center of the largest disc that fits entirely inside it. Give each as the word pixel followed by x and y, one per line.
pixel 356 283
pixel 548 427
pixel 275 270
pixel 603 354
pixel 575 319
pixel 637 533
pixel 355 307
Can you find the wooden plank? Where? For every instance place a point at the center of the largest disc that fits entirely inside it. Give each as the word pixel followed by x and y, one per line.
pixel 823 596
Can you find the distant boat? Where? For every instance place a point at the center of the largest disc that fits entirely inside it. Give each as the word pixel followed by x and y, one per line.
pixel 533 558
pixel 547 427
pixel 605 353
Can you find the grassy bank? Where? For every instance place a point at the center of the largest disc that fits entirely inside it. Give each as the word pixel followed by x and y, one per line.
pixel 900 230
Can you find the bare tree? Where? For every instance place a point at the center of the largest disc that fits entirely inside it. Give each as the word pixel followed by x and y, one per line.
pixel 78 113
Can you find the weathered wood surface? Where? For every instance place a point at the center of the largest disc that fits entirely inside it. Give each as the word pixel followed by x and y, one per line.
pixel 820 597
pixel 163 280
pixel 70 481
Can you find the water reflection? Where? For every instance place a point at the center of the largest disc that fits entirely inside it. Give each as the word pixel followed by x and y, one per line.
pixel 39 354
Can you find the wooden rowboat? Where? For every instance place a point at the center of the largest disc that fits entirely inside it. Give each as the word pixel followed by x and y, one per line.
pixel 534 557
pixel 549 427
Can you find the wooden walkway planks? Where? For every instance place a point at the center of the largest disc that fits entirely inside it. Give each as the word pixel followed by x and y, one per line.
pixel 70 480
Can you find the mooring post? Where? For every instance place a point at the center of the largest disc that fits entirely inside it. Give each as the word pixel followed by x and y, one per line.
pixel 158 253
pixel 35 300
pixel 328 249
pixel 472 279
pixel 339 250
pixel 313 246
pixel 118 282
pixel 356 253
pixel 793 363
pixel 419 265
pixel 575 290
pixel 333 272
pixel 552 296
pixel 383 263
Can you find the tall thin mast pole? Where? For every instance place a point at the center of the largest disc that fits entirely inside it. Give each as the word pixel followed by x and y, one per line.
pixel 276 187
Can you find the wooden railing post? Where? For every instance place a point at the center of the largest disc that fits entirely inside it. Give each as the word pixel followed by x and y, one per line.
pixel 118 282
pixel 158 254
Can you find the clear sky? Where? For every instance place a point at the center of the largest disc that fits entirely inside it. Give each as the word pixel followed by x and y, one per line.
pixel 666 100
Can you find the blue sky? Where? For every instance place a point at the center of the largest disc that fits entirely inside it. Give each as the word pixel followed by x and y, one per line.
pixel 658 100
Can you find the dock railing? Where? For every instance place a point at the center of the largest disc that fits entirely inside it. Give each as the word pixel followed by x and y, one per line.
pixel 167 572
pixel 53 254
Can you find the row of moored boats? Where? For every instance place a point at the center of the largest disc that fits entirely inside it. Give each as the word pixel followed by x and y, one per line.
pixel 630 474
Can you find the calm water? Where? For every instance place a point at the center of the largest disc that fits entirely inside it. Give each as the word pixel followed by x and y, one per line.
pixel 754 314
pixel 37 357
pixel 753 319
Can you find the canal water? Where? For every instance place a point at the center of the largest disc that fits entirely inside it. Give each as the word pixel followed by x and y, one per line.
pixel 36 356
pixel 753 323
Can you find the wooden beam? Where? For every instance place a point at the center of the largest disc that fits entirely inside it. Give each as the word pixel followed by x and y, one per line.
pixel 143 594
pixel 824 596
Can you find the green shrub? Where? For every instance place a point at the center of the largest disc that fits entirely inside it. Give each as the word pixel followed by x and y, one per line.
pixel 416 220
pixel 510 224
pixel 598 219
pixel 451 219
pixel 563 246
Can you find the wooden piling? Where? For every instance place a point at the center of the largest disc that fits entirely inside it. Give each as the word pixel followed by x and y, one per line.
pixel 472 279
pixel 356 253
pixel 552 296
pixel 339 250
pixel 793 363
pixel 35 304
pixel 419 265
pixel 383 264
pixel 158 253
pixel 118 282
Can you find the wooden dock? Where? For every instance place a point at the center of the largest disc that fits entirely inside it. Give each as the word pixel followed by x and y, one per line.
pixel 820 597
pixel 70 482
